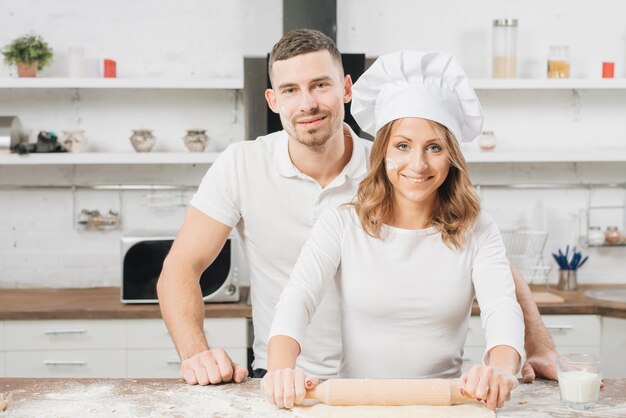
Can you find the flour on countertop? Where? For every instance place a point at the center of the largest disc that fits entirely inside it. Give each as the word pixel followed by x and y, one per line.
pixel 102 399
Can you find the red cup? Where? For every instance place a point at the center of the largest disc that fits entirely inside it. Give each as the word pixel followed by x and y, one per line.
pixel 110 68
pixel 608 69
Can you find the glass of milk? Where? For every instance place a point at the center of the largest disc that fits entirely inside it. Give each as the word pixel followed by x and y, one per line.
pixel 579 380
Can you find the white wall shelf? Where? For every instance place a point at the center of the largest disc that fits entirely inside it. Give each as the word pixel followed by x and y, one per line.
pixel 549 84
pixel 472 156
pixel 237 83
pixel 109 158
pixel 544 155
pixel 121 83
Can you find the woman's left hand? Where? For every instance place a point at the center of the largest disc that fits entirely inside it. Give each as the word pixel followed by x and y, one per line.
pixel 489 384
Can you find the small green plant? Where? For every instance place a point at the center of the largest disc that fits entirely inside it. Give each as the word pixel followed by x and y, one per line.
pixel 28 49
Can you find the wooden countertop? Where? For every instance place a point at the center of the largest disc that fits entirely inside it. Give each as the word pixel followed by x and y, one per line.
pixel 96 303
pixel 575 302
pixel 104 303
pixel 173 398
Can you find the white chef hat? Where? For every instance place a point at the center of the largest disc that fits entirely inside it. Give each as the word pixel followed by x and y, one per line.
pixel 428 85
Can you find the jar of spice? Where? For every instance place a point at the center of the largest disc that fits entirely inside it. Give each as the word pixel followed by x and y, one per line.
pixel 612 235
pixel 558 61
pixel 595 236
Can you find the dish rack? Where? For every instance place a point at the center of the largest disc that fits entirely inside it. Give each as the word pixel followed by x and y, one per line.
pixel 525 250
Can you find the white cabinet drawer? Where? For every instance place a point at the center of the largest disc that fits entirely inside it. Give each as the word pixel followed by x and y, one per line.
pixel 64 334
pixel 152 333
pixel 66 363
pixel 572 330
pixel 165 363
pixel 2 369
pixel 475 333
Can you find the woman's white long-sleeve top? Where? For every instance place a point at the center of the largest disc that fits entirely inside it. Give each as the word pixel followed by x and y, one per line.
pixel 405 298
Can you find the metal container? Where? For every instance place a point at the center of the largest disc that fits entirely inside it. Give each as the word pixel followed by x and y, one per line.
pixel 10 132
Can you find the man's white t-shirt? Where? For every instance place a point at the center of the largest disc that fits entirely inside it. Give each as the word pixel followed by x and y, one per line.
pixel 406 298
pixel 255 187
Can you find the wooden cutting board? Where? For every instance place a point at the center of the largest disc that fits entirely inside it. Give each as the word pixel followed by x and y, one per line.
pixel 547 297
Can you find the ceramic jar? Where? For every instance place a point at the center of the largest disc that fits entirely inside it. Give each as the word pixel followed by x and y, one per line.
pixel 142 140
pixel 196 140
pixel 612 235
pixel 73 140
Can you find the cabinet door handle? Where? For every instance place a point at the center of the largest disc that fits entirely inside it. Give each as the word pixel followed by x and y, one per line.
pixel 466 359
pixel 64 362
pixel 559 327
pixel 65 331
pixel 173 361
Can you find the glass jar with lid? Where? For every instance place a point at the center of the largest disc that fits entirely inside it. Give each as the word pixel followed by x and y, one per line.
pixel 558 61
pixel 487 141
pixel 504 52
pixel 595 236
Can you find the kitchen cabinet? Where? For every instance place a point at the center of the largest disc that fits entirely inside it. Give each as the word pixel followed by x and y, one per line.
pixel 575 333
pixel 613 347
pixel 66 363
pixel 106 348
pixel 571 334
pixel 64 334
pixel 151 353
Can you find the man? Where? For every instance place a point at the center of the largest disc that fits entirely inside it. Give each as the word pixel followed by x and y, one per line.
pixel 272 190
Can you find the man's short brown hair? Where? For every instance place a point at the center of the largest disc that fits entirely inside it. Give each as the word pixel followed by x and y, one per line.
pixel 302 41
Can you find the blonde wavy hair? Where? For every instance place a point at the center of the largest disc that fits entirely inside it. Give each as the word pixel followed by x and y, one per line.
pixel 457 206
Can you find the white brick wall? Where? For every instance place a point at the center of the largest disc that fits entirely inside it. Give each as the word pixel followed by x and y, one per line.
pixel 39 245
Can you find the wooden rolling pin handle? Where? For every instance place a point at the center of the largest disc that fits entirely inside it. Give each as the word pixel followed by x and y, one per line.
pixel 387 392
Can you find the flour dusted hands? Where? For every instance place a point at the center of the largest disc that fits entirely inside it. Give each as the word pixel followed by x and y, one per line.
pixel 489 384
pixel 212 367
pixel 286 387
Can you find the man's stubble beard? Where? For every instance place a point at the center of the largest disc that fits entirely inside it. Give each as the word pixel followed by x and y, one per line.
pixel 316 138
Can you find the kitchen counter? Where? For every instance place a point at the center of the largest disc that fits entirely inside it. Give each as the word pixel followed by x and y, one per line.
pixel 96 303
pixel 104 303
pixel 576 302
pixel 173 398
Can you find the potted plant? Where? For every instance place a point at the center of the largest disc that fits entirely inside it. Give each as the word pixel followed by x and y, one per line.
pixel 30 53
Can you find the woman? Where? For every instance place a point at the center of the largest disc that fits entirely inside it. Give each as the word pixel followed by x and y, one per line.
pixel 413 249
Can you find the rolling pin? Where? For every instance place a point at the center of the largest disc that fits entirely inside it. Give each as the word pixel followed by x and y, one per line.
pixel 387 392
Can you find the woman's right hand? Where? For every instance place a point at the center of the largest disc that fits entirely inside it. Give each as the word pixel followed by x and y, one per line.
pixel 286 387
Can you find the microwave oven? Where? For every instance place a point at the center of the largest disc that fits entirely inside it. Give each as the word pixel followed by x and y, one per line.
pixel 142 261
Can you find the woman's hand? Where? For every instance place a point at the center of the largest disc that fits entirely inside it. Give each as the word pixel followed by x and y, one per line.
pixel 489 384
pixel 286 387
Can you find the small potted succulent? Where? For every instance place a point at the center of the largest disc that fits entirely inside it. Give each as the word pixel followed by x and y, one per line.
pixel 30 53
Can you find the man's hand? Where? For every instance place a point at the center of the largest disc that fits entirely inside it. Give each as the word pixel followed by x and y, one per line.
pixel 540 365
pixel 212 367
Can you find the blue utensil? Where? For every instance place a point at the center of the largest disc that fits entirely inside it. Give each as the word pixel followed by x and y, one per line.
pixel 582 262
pixel 558 260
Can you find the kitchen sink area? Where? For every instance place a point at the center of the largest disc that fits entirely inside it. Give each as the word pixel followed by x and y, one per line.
pixel 611 294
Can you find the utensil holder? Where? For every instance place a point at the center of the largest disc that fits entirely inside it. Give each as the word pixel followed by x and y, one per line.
pixel 567 280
